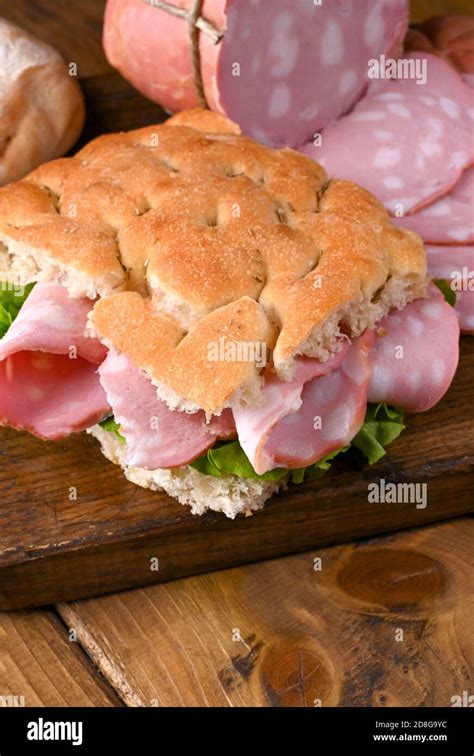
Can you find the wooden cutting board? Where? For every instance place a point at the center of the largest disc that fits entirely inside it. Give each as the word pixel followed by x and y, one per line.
pixel 53 549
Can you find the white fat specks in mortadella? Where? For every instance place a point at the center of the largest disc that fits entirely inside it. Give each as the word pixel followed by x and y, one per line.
pixel 416 354
pixel 448 220
pixel 305 419
pixel 456 265
pixel 406 143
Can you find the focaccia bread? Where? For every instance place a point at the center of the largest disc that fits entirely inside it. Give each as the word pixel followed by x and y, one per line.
pixel 189 232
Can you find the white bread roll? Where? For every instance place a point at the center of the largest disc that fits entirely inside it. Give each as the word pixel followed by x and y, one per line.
pixel 41 105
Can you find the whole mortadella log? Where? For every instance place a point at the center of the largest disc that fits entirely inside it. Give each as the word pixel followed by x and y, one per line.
pixel 282 69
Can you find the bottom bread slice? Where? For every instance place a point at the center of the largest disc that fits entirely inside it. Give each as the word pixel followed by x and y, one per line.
pixel 230 495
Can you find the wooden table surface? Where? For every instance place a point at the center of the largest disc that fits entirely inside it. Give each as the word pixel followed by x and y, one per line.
pixel 385 621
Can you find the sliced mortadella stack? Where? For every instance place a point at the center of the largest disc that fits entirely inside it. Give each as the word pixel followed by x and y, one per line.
pixel 405 142
pixel 48 366
pixel 416 354
pixel 456 265
pixel 156 436
pixel 320 410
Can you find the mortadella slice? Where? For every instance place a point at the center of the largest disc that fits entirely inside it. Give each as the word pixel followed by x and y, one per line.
pixel 407 143
pixel 48 366
pixel 468 79
pixel 449 219
pixel 302 421
pixel 416 354
pixel 456 265
pixel 156 436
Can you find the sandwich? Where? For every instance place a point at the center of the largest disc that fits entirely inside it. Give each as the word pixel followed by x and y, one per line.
pixel 221 316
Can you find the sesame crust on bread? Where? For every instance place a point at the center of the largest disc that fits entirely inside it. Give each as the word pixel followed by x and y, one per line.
pixel 192 233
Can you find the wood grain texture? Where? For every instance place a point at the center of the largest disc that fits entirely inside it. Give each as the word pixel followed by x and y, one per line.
pixel 41 667
pixel 113 105
pixel 385 622
pixel 421 9
pixel 54 549
pixel 305 635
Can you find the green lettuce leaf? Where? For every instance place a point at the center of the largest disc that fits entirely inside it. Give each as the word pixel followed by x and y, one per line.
pixel 229 458
pixel 110 424
pixel 446 290
pixel 11 303
pixel 382 425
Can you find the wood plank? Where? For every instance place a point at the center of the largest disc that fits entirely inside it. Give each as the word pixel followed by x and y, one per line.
pixel 422 9
pixel 114 105
pixel 40 666
pixel 54 549
pixel 386 622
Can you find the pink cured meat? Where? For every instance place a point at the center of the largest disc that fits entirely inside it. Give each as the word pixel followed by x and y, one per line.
pixel 416 354
pixel 156 436
pixel 44 388
pixel 301 64
pixel 449 219
pixel 456 265
pixel 468 78
pixel 283 433
pixel 405 142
